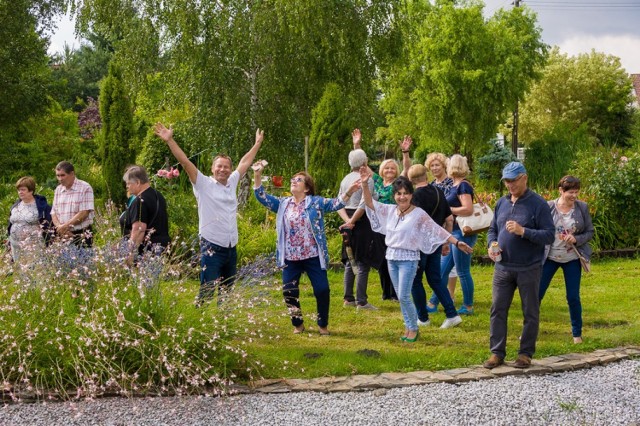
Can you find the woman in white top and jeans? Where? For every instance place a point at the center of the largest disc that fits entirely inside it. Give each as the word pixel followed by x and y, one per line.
pixel 408 230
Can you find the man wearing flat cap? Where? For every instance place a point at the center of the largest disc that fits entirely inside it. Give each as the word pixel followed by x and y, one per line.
pixel 522 226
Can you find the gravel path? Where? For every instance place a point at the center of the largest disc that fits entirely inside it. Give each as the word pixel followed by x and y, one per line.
pixel 602 395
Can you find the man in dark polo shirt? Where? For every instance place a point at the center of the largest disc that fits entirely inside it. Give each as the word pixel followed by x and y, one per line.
pixel 147 222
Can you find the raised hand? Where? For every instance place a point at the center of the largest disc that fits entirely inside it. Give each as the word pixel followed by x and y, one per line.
pixel 162 132
pixel 259 165
pixel 357 138
pixel 259 136
pixel 365 174
pixel 406 143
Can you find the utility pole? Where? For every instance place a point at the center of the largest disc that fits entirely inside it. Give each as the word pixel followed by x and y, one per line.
pixel 514 130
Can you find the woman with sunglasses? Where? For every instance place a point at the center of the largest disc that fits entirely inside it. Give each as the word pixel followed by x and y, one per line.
pixel 301 244
pixel 574 230
pixel 408 231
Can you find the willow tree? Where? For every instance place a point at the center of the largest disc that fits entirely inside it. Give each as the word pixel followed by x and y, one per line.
pixel 461 72
pixel 116 133
pixel 236 65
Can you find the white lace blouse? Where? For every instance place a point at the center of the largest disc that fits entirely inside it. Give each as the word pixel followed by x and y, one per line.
pixel 406 236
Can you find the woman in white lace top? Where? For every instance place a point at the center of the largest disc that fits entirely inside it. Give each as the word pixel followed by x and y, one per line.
pixel 408 230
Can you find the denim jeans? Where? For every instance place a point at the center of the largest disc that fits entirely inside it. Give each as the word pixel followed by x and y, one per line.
pixel 572 272
pixel 402 273
pixel 504 287
pixel 430 265
pixel 218 267
pixel 462 262
pixel 360 280
pixel 291 289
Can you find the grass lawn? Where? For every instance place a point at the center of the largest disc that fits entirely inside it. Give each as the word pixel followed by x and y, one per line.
pixel 610 300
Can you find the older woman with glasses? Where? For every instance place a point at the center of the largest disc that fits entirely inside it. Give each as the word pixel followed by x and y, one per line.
pixel 301 241
pixel 574 230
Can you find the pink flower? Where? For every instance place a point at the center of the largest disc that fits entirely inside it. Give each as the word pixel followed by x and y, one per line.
pixel 175 172
pixel 162 173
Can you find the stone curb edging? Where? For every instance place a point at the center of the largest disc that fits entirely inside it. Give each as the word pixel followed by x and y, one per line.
pixel 549 365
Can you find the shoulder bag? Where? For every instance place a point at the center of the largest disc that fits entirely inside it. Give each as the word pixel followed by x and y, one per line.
pixel 479 221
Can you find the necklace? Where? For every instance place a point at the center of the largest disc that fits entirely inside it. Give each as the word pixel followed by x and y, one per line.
pixel 402 214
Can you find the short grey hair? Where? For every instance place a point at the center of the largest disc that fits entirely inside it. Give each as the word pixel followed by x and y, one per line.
pixel 136 174
pixel 357 158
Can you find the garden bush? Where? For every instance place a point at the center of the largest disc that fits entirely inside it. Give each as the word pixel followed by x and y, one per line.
pixel 610 184
pixel 79 323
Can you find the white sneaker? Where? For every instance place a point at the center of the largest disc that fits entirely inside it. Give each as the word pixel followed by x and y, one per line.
pixel 367 307
pixel 426 323
pixel 451 322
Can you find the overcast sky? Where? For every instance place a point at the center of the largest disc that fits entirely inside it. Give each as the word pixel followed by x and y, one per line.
pixel 576 26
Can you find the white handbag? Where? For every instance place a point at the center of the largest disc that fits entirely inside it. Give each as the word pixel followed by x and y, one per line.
pixel 479 221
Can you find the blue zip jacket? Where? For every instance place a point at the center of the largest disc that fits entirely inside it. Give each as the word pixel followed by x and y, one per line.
pixel 315 207
pixel 532 212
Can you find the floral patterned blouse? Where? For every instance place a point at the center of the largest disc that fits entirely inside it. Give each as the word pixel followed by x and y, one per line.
pixel 300 243
pixel 25 229
pixel 384 193
pixel 445 185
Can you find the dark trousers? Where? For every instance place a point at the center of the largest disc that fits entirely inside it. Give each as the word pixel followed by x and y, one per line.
pixel 291 289
pixel 83 237
pixel 504 287
pixel 430 265
pixel 218 268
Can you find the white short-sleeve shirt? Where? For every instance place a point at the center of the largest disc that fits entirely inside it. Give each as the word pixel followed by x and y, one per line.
pixel 217 209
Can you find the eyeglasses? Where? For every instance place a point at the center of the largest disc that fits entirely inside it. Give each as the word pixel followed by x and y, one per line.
pixel 513 180
pixel 297 179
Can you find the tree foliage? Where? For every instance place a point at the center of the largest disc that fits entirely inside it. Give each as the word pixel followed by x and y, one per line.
pixel 243 64
pixel 591 89
pixel 116 133
pixel 24 74
pixel 77 73
pixel 328 141
pixel 461 73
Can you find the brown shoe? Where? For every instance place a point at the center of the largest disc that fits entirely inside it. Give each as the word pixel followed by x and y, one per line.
pixel 523 361
pixel 493 361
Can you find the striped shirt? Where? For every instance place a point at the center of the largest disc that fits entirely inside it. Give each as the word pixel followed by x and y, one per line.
pixel 67 202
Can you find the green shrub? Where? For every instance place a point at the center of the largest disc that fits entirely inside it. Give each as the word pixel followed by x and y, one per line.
pixel 550 157
pixel 78 323
pixel 610 184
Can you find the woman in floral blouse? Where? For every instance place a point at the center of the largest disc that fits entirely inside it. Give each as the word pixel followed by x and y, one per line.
pixel 301 244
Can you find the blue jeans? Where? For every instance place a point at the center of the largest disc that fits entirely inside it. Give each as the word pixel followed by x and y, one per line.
pixel 430 265
pixel 291 291
pixel 402 273
pixel 218 267
pixel 572 272
pixel 462 262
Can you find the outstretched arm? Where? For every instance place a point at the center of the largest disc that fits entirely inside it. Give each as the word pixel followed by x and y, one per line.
pixel 406 159
pixel 357 138
pixel 365 175
pixel 167 136
pixel 248 158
